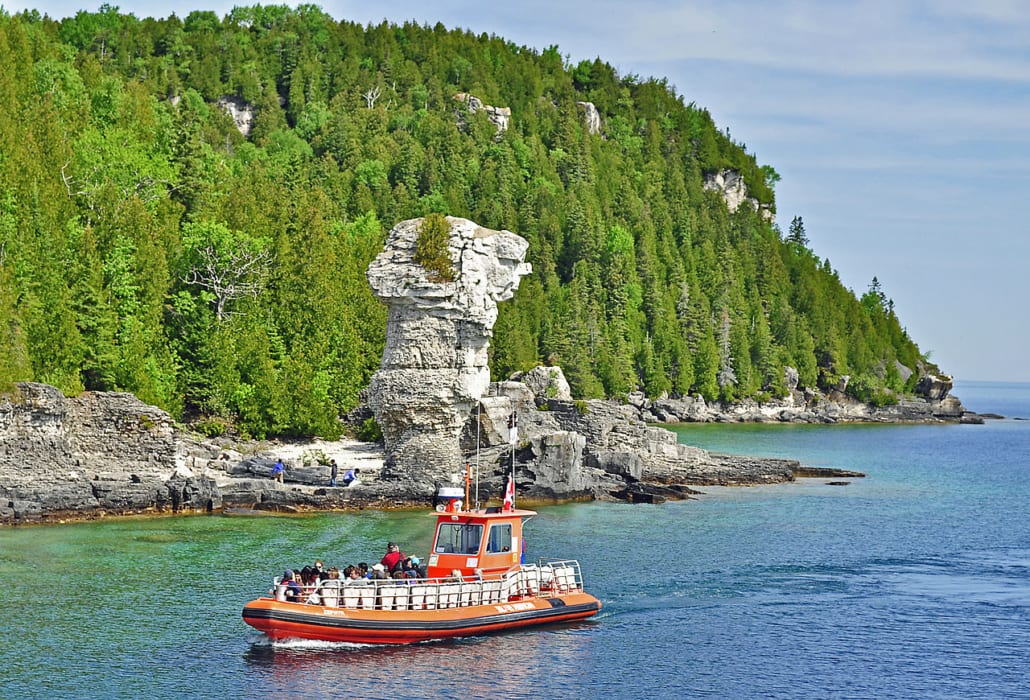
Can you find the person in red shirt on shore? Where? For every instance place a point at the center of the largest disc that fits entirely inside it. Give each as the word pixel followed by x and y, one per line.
pixel 394 558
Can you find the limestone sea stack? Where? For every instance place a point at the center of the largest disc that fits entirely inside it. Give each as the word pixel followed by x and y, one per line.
pixel 434 368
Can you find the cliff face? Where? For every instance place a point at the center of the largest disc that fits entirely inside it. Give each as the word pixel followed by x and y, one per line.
pixel 730 185
pixel 434 366
pixel 92 453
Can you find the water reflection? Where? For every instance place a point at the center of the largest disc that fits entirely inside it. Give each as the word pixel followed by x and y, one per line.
pixel 508 663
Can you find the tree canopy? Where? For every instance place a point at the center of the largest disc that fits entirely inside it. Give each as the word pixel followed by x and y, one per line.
pixel 148 244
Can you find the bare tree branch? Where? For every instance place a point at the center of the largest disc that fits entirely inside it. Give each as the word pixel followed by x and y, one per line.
pixel 238 275
pixel 372 95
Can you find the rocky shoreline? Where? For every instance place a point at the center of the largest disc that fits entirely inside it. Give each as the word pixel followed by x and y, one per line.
pixel 104 454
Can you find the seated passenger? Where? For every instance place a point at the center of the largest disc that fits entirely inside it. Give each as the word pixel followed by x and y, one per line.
pixel 455 577
pixel 411 567
pixel 291 590
pixel 308 577
pixel 354 577
pixel 379 573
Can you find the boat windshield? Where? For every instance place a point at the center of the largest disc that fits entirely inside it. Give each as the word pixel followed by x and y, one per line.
pixel 458 538
pixel 500 538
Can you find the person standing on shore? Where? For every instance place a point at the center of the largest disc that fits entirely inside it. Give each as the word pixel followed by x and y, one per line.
pixel 332 472
pixel 279 470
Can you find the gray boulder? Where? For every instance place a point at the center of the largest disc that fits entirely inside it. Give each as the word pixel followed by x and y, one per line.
pixel 546 383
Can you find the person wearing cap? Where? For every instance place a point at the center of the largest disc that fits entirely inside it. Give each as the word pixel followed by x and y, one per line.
pixel 393 559
pixel 291 590
pixel 379 572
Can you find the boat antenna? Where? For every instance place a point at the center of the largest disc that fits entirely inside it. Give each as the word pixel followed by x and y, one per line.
pixel 468 478
pixel 479 424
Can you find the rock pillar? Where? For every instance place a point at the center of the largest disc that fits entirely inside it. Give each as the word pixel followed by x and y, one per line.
pixel 434 367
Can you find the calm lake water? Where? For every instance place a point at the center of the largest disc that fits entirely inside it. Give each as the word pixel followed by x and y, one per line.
pixel 913 582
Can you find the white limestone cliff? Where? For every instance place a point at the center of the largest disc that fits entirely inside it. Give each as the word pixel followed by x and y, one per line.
pixel 434 368
pixel 591 117
pixel 499 116
pixel 730 185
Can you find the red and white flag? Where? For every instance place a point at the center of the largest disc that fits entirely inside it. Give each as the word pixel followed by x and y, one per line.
pixel 509 495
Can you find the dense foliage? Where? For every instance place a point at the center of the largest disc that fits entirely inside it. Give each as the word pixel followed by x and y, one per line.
pixel 147 245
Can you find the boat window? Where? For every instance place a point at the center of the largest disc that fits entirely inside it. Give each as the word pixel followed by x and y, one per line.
pixel 500 538
pixel 457 538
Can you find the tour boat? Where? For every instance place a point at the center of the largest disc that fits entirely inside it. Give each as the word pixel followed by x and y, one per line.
pixel 475 583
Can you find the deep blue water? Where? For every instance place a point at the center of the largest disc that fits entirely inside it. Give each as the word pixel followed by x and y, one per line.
pixel 913 582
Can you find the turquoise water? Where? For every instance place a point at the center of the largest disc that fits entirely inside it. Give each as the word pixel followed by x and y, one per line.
pixel 912 582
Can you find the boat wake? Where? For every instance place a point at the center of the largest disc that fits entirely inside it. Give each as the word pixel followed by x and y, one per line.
pixel 316 645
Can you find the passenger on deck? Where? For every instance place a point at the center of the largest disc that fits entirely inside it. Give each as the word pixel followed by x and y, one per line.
pixel 354 577
pixel 411 569
pixel 394 558
pixel 455 577
pixel 379 573
pixel 291 590
pixel 308 577
pixel 320 572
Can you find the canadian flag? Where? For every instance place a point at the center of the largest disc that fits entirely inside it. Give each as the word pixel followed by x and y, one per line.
pixel 509 495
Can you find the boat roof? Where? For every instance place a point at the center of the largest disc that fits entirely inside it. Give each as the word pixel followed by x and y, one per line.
pixel 484 514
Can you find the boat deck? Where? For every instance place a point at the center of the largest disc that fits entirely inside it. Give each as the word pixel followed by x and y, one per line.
pixel 547 579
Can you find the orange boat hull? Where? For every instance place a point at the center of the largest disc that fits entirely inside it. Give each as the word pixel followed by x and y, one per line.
pixel 281 620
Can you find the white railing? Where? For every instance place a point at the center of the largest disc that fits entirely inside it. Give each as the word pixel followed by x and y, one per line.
pixel 546 579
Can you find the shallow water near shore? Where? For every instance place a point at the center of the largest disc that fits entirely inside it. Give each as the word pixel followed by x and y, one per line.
pixel 911 582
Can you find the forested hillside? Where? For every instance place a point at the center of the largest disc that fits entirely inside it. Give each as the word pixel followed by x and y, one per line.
pixel 148 245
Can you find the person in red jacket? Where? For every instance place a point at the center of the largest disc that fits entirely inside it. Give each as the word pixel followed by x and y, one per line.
pixel 394 558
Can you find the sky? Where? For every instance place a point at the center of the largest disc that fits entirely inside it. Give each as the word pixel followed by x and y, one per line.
pixel 900 129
